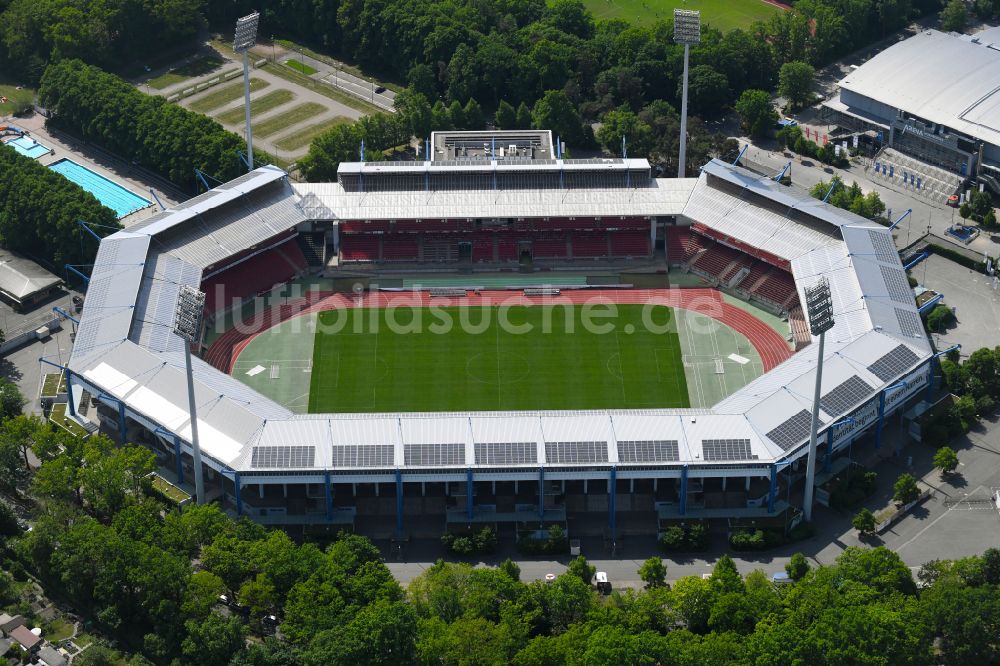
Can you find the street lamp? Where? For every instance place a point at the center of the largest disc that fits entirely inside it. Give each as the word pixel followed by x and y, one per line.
pixel 243 41
pixel 187 324
pixel 819 304
pixel 687 31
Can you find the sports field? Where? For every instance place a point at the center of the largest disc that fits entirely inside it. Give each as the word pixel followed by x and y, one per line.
pixel 723 15
pixel 517 358
pixel 346 355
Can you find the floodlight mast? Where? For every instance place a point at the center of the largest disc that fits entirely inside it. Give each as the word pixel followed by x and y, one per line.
pixel 243 41
pixel 687 31
pixel 187 324
pixel 819 304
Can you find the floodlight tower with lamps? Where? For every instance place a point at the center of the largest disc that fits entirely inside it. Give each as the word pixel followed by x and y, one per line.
pixel 243 41
pixel 820 307
pixel 187 324
pixel 687 31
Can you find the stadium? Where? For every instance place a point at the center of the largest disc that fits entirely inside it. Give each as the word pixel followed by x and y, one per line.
pixel 691 402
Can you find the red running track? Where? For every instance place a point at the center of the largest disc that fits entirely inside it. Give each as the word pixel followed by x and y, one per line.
pixel 771 346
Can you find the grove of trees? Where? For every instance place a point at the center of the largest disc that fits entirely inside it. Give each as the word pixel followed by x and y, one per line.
pixel 150 578
pixel 40 211
pixel 163 137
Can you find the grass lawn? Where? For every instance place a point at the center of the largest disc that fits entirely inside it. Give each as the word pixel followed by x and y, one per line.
pixel 59 418
pixel 197 67
pixel 299 66
pixel 16 99
pixel 361 365
pixel 720 14
pixel 224 95
pixel 304 136
pixel 169 490
pixel 260 105
pixel 323 89
pixel 83 640
pixel 53 384
pixel 289 118
pixel 59 630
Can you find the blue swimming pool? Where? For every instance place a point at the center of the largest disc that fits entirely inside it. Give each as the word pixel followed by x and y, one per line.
pixel 112 195
pixel 28 147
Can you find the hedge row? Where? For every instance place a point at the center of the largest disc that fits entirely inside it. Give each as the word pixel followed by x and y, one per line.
pixel 39 211
pixel 108 111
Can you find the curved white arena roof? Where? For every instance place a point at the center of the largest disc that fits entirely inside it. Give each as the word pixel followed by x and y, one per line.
pixel 126 351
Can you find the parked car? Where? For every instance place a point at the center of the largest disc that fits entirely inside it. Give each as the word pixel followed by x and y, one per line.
pixel 380 89
pixel 953 201
pixel 603 584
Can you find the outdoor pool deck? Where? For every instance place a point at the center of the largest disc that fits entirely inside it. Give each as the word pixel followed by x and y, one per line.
pixel 28 147
pixel 109 193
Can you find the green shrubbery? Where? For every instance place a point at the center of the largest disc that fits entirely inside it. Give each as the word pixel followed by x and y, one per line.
pixel 690 537
pixel 851 487
pixel 483 541
pixel 555 543
pixel 793 139
pixel 108 111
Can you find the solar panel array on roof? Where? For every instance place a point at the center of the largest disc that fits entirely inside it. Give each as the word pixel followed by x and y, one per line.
pixel 909 322
pixel 576 452
pixel 791 431
pixel 885 250
pixel 639 451
pixel 363 455
pixel 282 457
pixel 434 454
pixel 845 395
pixel 726 449
pixel 506 453
pixel 893 364
pixel 895 282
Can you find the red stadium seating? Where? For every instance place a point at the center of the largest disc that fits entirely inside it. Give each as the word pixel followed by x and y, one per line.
pixel 254 275
pixel 590 245
pixel 630 244
pixel 778 288
pixel 440 248
pixel 714 261
pixel 400 247
pixel 743 261
pixel 682 244
pixel 549 246
pixel 507 247
pixel 358 227
pixel 359 248
pixel 757 273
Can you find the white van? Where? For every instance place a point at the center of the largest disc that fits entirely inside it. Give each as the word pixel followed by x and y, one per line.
pixel 603 585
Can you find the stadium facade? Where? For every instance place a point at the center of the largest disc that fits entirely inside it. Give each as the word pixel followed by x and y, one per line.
pixel 935 96
pixel 375 471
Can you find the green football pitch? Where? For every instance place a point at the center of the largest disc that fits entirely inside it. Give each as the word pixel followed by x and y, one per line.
pixel 517 358
pixel 723 15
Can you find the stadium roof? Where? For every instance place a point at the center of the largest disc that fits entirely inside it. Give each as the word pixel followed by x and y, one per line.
pixel 126 349
pixel 22 278
pixel 949 79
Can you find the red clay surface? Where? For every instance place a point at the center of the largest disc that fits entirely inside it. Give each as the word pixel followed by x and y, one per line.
pixel 771 346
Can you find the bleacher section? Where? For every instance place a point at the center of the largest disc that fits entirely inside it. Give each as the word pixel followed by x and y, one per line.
pixel 440 248
pixel 549 246
pixel 361 248
pixel 682 245
pixel 630 244
pixel 590 245
pixel 777 288
pixel 715 260
pixel 800 328
pixel 400 247
pixel 313 247
pixel 253 276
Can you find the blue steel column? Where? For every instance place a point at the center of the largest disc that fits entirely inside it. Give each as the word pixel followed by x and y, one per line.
pixel 881 414
pixel 468 494
pixel 612 494
pixel 180 463
pixel 329 495
pixel 121 422
pixel 541 493
pixel 828 460
pixel 239 498
pixel 399 502
pixel 773 490
pixel 684 490
pixel 69 392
